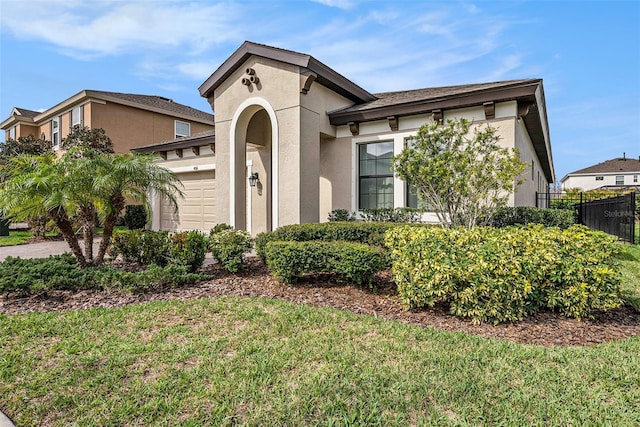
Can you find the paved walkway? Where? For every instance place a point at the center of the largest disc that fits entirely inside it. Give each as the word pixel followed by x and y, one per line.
pixel 41 249
pixel 5 421
pixel 56 247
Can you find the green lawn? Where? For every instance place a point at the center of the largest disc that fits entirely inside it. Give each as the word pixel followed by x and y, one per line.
pixel 23 237
pixel 265 362
pixel 630 266
pixel 16 238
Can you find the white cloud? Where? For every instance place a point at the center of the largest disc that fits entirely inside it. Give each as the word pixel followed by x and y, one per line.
pixel 340 4
pixel 86 30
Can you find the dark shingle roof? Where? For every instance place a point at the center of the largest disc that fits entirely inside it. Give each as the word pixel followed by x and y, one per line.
pixel 618 164
pixel 387 99
pixel 27 113
pixel 156 102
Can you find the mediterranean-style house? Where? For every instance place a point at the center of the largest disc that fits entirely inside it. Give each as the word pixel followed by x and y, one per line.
pixel 130 120
pixel 294 140
pixel 615 174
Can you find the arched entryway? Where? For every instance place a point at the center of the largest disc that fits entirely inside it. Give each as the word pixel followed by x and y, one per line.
pixel 254 148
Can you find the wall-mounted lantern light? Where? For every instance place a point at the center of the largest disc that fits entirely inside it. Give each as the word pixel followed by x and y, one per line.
pixel 253 179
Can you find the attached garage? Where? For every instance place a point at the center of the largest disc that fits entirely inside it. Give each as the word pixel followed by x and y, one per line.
pixel 197 211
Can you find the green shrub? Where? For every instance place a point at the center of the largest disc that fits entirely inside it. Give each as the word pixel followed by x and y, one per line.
pixel 228 248
pixel 218 228
pixel 371 233
pixel 38 274
pixel 135 217
pixel 153 278
pixel 391 215
pixel 62 272
pixel 497 275
pixel 142 247
pixel 188 248
pixel 355 262
pixel 523 215
pixel 341 215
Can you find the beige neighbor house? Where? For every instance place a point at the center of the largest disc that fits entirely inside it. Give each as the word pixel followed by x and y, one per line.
pixel 315 141
pixel 615 174
pixel 130 120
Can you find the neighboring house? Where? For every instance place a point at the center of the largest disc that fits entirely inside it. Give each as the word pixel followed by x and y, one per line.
pixel 318 142
pixel 129 120
pixel 618 173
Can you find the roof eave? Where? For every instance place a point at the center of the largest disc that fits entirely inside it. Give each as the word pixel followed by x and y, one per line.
pixel 187 142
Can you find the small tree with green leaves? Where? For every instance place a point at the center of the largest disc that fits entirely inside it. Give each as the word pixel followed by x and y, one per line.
pixel 80 136
pixel 460 171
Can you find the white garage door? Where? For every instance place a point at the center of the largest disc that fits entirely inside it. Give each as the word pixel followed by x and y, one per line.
pixel 197 211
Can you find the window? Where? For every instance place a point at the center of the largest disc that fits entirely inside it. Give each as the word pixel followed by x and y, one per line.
pixel 77 116
pixel 182 129
pixel 12 132
pixel 55 131
pixel 635 178
pixel 599 178
pixel 619 179
pixel 375 179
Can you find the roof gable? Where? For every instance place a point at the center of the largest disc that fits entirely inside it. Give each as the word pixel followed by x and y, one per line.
pixel 325 75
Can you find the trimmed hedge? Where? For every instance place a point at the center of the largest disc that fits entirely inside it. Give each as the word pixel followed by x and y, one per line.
pixel 228 247
pixel 188 248
pixel 370 233
pixel 354 262
pixel 135 217
pixel 498 275
pixel 522 215
pixel 142 247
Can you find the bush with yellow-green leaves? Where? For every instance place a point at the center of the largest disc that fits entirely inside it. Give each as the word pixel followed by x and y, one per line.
pixel 497 275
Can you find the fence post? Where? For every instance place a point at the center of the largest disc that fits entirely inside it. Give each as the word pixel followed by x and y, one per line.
pixel 633 218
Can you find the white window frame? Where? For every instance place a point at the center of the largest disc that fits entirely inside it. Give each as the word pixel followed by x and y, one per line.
pixel 599 178
pixel 399 186
pixel 12 132
pixel 390 175
pixel 175 128
pixel 619 181
pixel 55 132
pixel 77 116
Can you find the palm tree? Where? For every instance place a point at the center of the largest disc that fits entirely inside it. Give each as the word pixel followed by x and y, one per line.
pixel 79 185
pixel 35 186
pixel 132 177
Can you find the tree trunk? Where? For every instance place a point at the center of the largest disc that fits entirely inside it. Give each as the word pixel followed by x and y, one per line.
pixel 87 219
pixel 117 202
pixel 64 225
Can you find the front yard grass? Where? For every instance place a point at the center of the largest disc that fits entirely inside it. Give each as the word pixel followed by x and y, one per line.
pixel 16 238
pixel 228 361
pixel 630 266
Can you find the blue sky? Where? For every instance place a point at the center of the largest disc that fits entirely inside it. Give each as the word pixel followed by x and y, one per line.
pixel 587 52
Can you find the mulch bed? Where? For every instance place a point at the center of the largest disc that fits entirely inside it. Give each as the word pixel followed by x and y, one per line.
pixel 322 290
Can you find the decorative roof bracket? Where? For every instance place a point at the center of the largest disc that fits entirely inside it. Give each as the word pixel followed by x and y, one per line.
pixel 489 110
pixel 393 122
pixel 354 127
pixel 306 80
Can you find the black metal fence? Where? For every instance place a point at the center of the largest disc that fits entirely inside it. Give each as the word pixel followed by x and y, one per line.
pixel 615 215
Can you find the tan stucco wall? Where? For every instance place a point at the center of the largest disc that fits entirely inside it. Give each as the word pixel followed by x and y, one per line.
pixel 130 127
pixel 298 139
pixel 335 175
pixel 534 178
